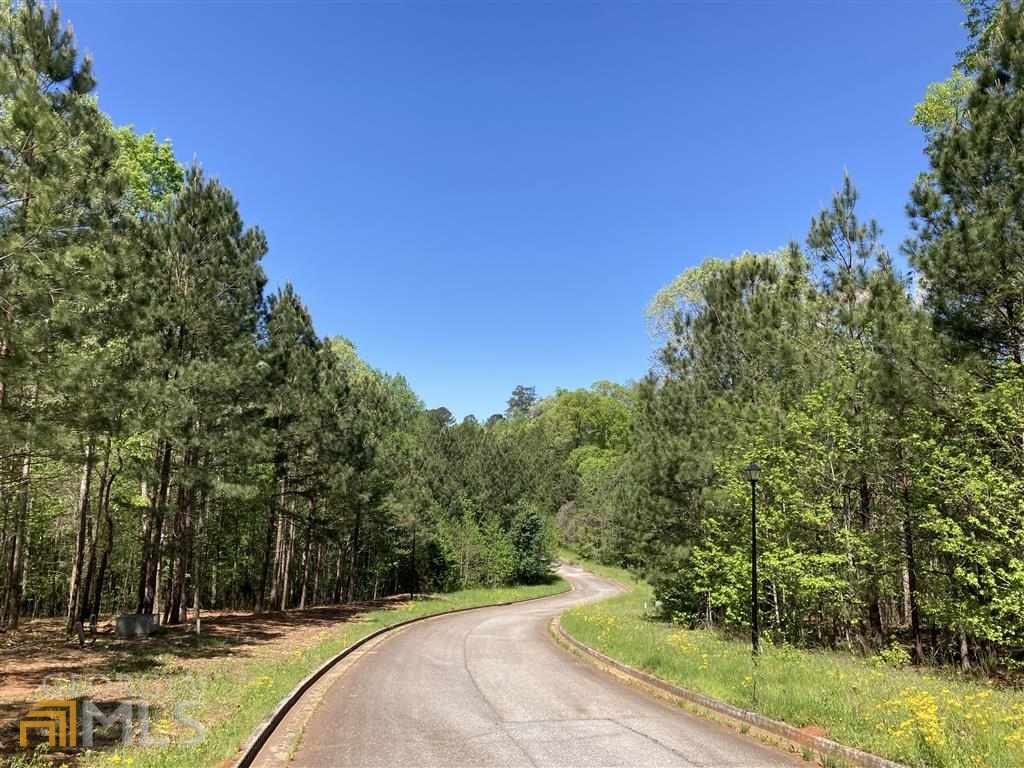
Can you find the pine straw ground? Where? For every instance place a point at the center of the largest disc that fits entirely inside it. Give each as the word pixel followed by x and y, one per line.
pixel 229 642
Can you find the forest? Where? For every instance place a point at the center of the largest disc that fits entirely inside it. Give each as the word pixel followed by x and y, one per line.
pixel 175 437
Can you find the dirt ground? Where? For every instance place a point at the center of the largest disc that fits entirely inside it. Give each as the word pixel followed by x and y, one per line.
pixel 40 648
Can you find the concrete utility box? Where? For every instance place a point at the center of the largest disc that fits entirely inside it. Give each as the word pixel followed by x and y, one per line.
pixel 136 624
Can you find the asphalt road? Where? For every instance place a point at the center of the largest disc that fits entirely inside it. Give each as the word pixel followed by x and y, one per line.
pixel 491 688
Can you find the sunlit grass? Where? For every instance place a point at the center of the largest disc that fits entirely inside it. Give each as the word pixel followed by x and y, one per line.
pixel 931 718
pixel 234 699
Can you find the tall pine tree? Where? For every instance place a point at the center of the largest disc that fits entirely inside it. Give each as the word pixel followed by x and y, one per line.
pixel 968 214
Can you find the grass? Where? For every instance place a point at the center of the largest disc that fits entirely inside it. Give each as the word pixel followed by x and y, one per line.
pixel 921 718
pixel 235 695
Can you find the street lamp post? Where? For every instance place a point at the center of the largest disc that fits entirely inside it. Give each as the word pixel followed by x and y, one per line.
pixel 753 474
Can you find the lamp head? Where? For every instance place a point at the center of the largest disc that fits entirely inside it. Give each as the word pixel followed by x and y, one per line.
pixel 752 472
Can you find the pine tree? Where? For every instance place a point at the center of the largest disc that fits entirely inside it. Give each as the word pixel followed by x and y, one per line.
pixel 967 214
pixel 203 314
pixel 290 350
pixel 57 192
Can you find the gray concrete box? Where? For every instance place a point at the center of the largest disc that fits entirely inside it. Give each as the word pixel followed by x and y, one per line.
pixel 136 624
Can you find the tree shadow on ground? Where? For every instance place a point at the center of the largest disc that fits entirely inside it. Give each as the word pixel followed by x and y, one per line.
pixel 39 661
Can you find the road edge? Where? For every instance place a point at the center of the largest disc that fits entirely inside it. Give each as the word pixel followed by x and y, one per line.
pixel 258 738
pixel 741 719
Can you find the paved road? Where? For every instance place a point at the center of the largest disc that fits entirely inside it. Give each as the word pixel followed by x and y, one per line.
pixel 490 688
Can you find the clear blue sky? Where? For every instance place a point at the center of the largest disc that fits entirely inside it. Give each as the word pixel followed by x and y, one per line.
pixel 482 195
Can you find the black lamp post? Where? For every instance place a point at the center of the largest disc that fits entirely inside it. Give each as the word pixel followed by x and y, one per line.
pixel 753 474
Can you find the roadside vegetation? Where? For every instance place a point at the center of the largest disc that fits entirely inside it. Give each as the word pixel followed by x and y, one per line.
pixel 176 438
pixel 236 687
pixel 880 704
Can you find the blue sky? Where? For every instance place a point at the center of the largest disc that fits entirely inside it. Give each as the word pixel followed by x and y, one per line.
pixel 482 195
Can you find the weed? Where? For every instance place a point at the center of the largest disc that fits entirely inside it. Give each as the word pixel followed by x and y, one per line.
pixel 894 656
pixel 880 705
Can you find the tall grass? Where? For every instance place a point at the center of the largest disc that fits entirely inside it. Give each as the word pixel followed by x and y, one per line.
pixel 922 718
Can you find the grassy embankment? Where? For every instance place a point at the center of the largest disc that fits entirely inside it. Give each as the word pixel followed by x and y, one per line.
pixel 235 694
pixel 921 718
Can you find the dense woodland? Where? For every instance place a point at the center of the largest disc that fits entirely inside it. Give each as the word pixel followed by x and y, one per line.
pixel 174 436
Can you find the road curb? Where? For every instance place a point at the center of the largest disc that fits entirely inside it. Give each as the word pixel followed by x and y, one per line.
pixel 258 738
pixel 774 727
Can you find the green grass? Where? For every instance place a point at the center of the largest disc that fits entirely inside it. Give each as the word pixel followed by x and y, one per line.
pixel 930 718
pixel 233 701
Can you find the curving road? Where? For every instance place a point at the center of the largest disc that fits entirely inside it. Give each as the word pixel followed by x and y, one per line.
pixel 490 688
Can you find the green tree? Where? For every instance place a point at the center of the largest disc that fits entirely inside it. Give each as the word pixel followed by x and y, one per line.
pixel 589 432
pixel 289 352
pixel 203 317
pixel 57 191
pixel 727 373
pixel 944 106
pixel 152 172
pixel 972 491
pixel 967 213
pixel 441 417
pixel 531 556
pixel 683 296
pixel 521 402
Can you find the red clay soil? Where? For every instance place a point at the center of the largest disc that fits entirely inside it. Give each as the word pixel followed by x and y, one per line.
pixel 40 648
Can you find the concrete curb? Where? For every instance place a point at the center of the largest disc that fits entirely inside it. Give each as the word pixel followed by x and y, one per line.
pixel 783 730
pixel 258 738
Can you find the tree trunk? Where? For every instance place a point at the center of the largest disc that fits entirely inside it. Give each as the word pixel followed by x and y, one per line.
pixel 316 573
pixel 182 542
pixel 338 571
pixel 776 606
pixel 268 550
pixel 108 544
pixel 911 607
pixel 197 564
pixel 874 607
pixel 915 612
pixel 152 532
pixel 90 603
pixel 6 543
pixel 81 523
pixel 415 588
pixel 16 570
pixel 5 353
pixel 306 551
pixel 212 554
pixel 877 637
pixel 353 561
pixel 286 570
pixel 90 566
pixel 156 579
pixel 864 501
pixel 275 584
